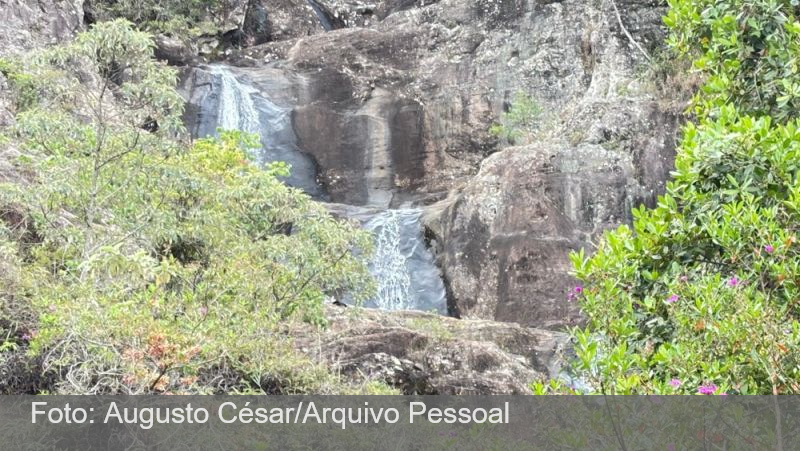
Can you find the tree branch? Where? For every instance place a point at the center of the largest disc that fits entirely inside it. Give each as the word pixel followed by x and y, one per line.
pixel 627 33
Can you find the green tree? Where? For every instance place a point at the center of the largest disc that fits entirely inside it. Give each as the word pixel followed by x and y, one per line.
pixel 160 265
pixel 746 48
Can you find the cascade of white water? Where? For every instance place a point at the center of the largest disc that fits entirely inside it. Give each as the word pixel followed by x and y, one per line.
pixel 402 266
pixel 236 110
pixel 389 263
pixel 241 106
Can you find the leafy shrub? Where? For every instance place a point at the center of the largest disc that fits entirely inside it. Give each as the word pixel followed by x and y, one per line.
pixel 701 294
pixel 22 84
pixel 520 119
pixel 162 266
pixel 748 50
pixel 703 290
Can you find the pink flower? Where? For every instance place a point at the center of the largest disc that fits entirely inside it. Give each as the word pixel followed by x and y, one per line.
pixel 684 278
pixel 675 383
pixel 769 249
pixel 709 389
pixel 26 337
pixel 672 299
pixel 203 310
pixel 578 289
pixel 733 281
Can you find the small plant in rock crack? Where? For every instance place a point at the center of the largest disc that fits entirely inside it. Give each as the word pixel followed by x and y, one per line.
pixel 519 121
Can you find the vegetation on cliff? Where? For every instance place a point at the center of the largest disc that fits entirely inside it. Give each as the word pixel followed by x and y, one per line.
pixel 180 18
pixel 133 261
pixel 701 294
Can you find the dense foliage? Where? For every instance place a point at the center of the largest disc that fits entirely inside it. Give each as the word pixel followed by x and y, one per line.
pixel 748 50
pixel 181 18
pixel 146 264
pixel 701 294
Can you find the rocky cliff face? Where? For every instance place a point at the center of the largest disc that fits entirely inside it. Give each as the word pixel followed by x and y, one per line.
pixel 394 106
pixel 605 145
pixel 26 24
pixel 505 237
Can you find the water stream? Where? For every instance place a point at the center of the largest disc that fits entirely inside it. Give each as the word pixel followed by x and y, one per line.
pixel 236 110
pixel 235 104
pixel 402 266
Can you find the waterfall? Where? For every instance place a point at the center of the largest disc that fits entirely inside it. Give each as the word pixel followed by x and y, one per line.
pixel 402 265
pixel 240 106
pixel 236 110
pixel 389 263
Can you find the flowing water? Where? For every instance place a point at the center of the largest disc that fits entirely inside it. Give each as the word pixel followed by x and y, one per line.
pixel 236 110
pixel 235 104
pixel 403 266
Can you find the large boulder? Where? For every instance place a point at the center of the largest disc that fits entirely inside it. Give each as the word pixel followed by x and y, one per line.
pixel 421 353
pixel 281 20
pixel 173 50
pixel 504 240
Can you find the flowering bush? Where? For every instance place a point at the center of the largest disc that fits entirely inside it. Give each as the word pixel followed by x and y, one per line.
pixel 704 289
pixel 701 294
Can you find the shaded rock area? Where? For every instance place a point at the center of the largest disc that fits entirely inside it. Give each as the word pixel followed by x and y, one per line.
pixel 261 21
pixel 394 109
pixel 421 353
pixel 25 24
pixel 174 51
